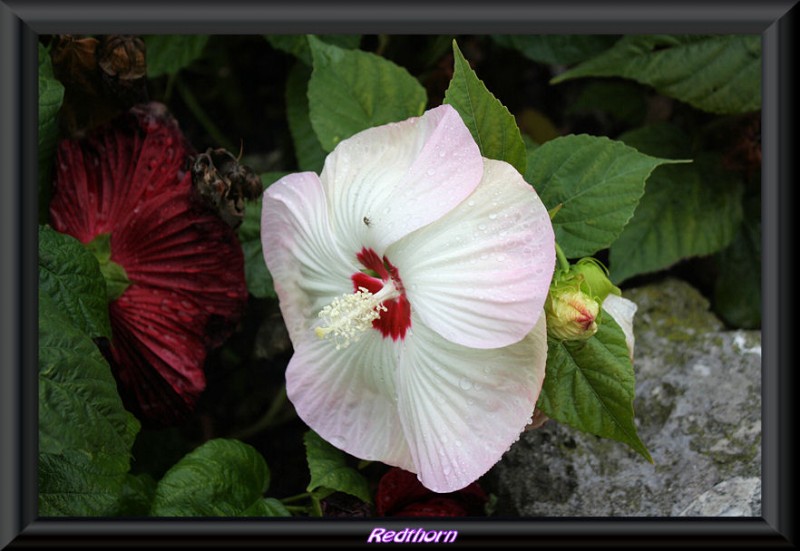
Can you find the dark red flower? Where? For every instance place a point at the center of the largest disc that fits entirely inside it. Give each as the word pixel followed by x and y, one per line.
pixel 184 264
pixel 401 494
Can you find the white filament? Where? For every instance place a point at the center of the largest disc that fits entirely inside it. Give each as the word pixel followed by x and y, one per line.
pixel 351 315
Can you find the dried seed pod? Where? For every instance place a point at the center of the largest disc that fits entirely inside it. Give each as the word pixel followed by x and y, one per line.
pixel 122 56
pixel 74 61
pixel 122 65
pixel 223 184
pixel 102 78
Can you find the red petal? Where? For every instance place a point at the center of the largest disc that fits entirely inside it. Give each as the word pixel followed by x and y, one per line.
pixel 396 489
pixel 101 179
pixel 434 507
pixel 401 494
pixel 396 320
pixel 185 264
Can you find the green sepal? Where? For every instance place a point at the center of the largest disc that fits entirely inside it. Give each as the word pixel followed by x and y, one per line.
pixel 115 276
pixel 595 282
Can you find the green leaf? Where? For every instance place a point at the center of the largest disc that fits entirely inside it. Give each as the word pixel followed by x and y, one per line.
pixel 307 149
pixel 51 94
pixel 266 507
pixel 221 478
pixel 557 49
pixel 687 210
pixel 258 278
pixel 589 385
pixel 663 140
pixel 493 127
pixel 297 44
pixel 329 470
pixel 598 183
pixel 85 434
pixel 169 53
pixel 138 491
pixel 351 91
pixel 623 101
pixel 71 276
pixel 737 290
pixel 715 73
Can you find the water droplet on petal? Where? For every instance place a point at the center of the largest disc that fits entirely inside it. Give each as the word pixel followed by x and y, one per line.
pixel 464 383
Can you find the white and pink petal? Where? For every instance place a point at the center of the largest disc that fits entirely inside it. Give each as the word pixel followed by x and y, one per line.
pixel 348 396
pixel 622 310
pixel 307 263
pixel 387 181
pixel 462 408
pixel 479 275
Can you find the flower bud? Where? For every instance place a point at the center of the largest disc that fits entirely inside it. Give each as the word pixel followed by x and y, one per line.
pixel 594 279
pixel 571 314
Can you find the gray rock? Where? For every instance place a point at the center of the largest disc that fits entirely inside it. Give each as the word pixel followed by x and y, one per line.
pixel 698 410
pixel 737 497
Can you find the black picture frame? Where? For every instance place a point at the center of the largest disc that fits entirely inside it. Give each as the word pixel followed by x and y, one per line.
pixel 21 22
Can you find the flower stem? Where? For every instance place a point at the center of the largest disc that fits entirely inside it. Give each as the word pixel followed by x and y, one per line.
pixel 298 497
pixel 201 116
pixel 296 508
pixel 563 263
pixel 169 87
pixel 271 418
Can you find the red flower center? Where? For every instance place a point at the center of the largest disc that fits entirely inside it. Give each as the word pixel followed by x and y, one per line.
pixel 396 320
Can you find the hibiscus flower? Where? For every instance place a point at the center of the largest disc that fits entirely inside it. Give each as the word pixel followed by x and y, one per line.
pixel 175 271
pixel 412 275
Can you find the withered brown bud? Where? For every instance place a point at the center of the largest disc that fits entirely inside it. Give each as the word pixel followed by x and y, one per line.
pixel 122 64
pixel 223 184
pixel 102 78
pixel 122 56
pixel 74 62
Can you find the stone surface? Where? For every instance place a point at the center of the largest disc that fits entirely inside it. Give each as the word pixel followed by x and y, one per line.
pixel 737 497
pixel 698 410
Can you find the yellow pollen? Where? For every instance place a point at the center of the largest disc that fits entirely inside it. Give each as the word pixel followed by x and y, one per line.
pixel 351 315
